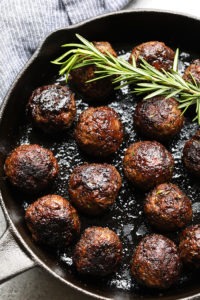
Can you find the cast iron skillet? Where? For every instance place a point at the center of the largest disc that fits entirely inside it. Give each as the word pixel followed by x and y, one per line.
pixel 17 251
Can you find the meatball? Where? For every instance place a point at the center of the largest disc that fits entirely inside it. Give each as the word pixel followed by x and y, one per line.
pixel 191 154
pixel 52 108
pixel 52 221
pixel 147 164
pixel 156 262
pixel 158 118
pixel 155 53
pixel 31 168
pixel 95 90
pixel 98 252
pixel 167 208
pixel 193 72
pixel 99 131
pixel 189 246
pixel 94 187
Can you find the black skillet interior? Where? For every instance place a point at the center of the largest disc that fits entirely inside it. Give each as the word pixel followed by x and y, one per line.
pixel 123 30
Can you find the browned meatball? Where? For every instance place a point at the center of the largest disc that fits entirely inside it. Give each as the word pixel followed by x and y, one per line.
pixel 147 164
pixel 189 246
pixel 193 72
pixel 99 131
pixel 94 187
pixel 98 252
pixel 155 53
pixel 191 154
pixel 156 263
pixel 167 208
pixel 98 89
pixel 158 118
pixel 52 108
pixel 52 221
pixel 31 168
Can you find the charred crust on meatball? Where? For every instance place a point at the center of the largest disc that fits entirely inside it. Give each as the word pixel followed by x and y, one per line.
pixel 167 208
pixel 105 48
pixel 52 108
pixel 158 118
pixel 156 262
pixel 99 131
pixel 53 221
pixel 31 168
pixel 98 252
pixel 155 53
pixel 189 246
pixel 94 187
pixel 191 154
pixel 192 72
pixel 98 89
pixel 147 164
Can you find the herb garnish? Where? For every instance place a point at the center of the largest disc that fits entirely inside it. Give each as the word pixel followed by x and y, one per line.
pixel 144 79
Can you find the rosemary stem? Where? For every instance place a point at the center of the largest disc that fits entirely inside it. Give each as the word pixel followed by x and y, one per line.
pixel 144 80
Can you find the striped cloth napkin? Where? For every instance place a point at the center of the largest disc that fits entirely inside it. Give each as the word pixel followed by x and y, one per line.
pixel 24 24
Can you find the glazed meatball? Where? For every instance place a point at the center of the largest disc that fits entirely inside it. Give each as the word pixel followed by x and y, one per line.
pixel 95 90
pixel 147 164
pixel 191 154
pixel 98 252
pixel 31 168
pixel 156 263
pixel 193 72
pixel 99 131
pixel 189 246
pixel 158 118
pixel 94 187
pixel 52 221
pixel 155 53
pixel 167 208
pixel 52 108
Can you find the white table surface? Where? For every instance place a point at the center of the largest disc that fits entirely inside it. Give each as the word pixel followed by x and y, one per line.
pixel 36 284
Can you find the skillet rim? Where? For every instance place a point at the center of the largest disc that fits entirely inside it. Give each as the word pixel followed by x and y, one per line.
pixel 11 226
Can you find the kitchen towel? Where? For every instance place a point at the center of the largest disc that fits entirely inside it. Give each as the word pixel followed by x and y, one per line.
pixel 24 24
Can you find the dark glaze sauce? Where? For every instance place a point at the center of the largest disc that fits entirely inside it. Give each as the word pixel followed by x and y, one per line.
pixel 126 215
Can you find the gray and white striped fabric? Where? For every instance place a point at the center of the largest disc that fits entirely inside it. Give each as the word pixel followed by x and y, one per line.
pixel 24 24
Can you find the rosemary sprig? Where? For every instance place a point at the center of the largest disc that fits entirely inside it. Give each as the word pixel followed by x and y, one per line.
pixel 144 79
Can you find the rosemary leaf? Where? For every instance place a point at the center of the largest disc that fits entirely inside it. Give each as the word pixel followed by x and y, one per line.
pixel 143 80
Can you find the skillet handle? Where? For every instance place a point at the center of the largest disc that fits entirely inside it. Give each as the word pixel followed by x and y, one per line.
pixel 13 259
